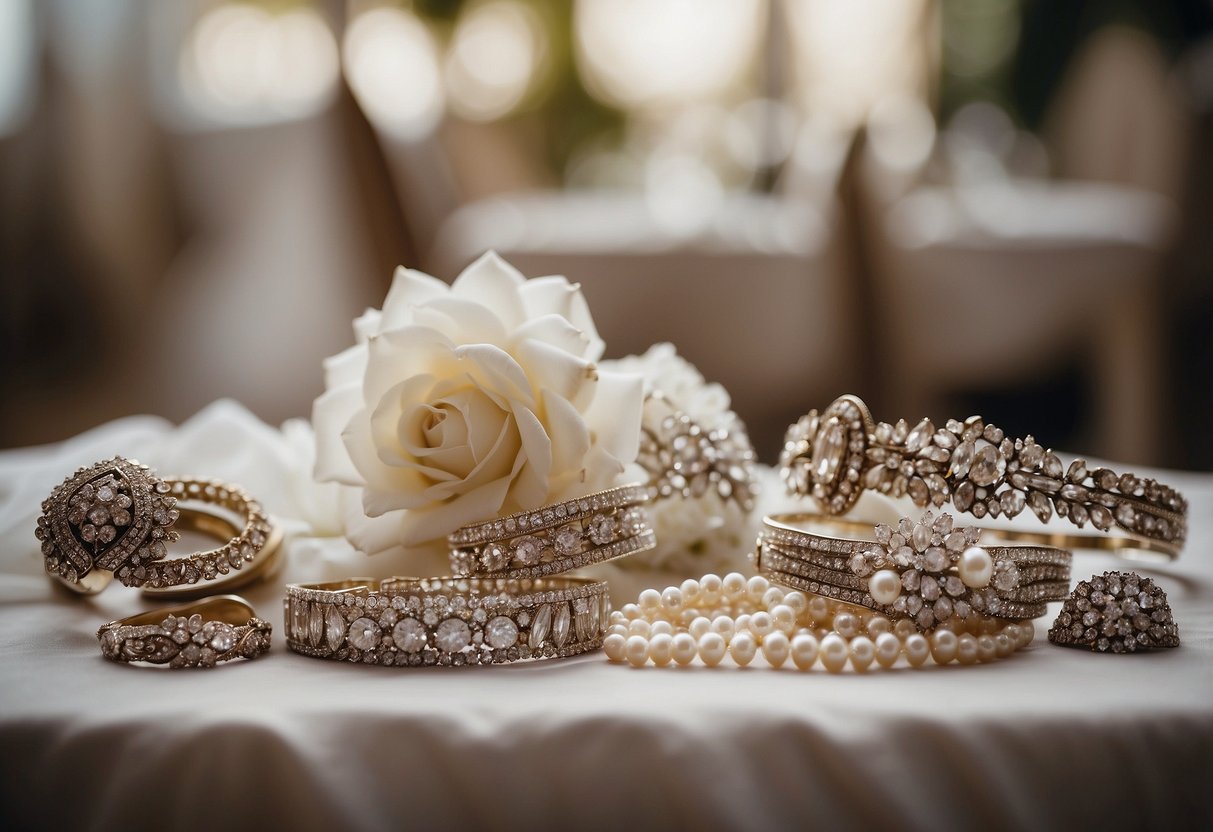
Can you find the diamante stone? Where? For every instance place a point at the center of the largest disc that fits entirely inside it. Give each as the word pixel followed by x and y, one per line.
pixel 828 449
pixel 568 540
pixel 452 635
pixel 501 632
pixel 224 639
pixel 364 633
pixel 560 625
pixel 527 549
pixel 540 626
pixel 988 465
pixel 602 529
pixel 409 635
pixel 315 625
pixel 962 458
pixel 334 631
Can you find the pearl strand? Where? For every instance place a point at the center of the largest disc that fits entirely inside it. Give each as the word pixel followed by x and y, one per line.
pixel 713 617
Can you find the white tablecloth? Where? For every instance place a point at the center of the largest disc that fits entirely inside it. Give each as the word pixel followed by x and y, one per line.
pixel 1050 739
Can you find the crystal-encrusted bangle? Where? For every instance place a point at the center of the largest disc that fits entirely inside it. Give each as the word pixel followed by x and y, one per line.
pixel 1116 612
pixel 927 571
pixel 411 622
pixel 217 629
pixel 557 538
pixel 834 455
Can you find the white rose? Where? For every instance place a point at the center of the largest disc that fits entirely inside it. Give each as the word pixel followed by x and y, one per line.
pixel 461 403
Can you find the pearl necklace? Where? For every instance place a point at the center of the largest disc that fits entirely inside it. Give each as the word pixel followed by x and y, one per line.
pixel 715 616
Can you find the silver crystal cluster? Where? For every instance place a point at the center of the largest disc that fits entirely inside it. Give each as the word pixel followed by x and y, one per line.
pixel 448 624
pixel 1116 612
pixel 836 454
pixel 688 459
pixel 925 554
pixel 184 641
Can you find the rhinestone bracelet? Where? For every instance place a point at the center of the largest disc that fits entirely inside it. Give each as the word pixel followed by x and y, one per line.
pixel 834 455
pixel 446 621
pixel 116 518
pixel 217 629
pixel 557 538
pixel 927 571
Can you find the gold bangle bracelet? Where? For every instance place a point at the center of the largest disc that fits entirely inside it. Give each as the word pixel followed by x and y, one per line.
pixel 200 634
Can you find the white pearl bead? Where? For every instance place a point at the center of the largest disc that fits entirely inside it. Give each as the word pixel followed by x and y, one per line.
pixel 1011 631
pixel 987 648
pixel 699 626
pixel 616 647
pixel 846 624
pixel 976 567
pixel 631 611
pixel 671 598
pixel 797 600
pixel 618 629
pixel 966 648
pixel 724 626
pixel 1003 646
pixel 917 649
pixel 863 651
pixel 804 650
pixel 834 652
pixel 761 624
pixel 757 587
pixel 888 648
pixel 819 609
pixel 772 597
pixel 712 648
pixel 637 651
pixel 904 628
pixel 943 646
pixel 733 585
pixel 661 628
pixel 775 649
pixel 1028 630
pixel 687 615
pixel 709 589
pixel 784 618
pixel 683 648
pixel 878 624
pixel 884 586
pixel 743 648
pixel 649 600
pixel 741 623
pixel 618 617
pixel 640 627
pixel 690 590
pixel 660 646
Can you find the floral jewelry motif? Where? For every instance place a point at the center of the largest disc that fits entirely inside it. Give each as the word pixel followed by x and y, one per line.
pixel 184 641
pixel 1117 612
pixel 930 571
pixel 836 454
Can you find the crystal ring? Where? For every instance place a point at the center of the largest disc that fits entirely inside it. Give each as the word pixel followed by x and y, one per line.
pixel 836 454
pixel 410 622
pixel 1116 612
pixel 116 518
pixel 929 571
pixel 557 538
pixel 217 629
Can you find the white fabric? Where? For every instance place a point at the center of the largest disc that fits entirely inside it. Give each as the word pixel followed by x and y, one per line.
pixel 1051 739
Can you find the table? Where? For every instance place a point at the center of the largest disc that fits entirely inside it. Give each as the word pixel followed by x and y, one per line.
pixel 1050 739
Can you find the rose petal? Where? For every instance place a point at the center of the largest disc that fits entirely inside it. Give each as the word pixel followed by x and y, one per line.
pixel 494 283
pixel 346 367
pixel 530 489
pixel 439 520
pixel 496 370
pixel 615 413
pixel 331 412
pixel 409 290
pixel 553 369
pixel 556 296
pixel 462 320
pixel 387 415
pixel 366 325
pixel 404 353
pixel 388 487
pixel 567 431
pixel 555 330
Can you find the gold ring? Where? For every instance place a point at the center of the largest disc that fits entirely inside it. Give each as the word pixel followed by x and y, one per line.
pixel 116 518
pixel 835 455
pixel 217 629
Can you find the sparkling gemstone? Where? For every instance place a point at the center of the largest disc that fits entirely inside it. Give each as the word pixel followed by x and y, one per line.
pixel 501 632
pixel 560 625
pixel 964 496
pixel 224 639
pixel 315 626
pixel 540 626
pixel 954 586
pixel 935 559
pixel 828 449
pixel 494 557
pixel 988 465
pixel 121 517
pixel 105 493
pixel 106 534
pixel 962 458
pixel 364 633
pixel 1006 578
pixel 929 589
pixel 409 635
pixel 602 529
pixel 527 550
pixel 943 609
pixel 334 631
pixel 911 579
pixel 859 565
pixel 452 635
pixel 89 532
pixel 568 540
pixel 98 516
